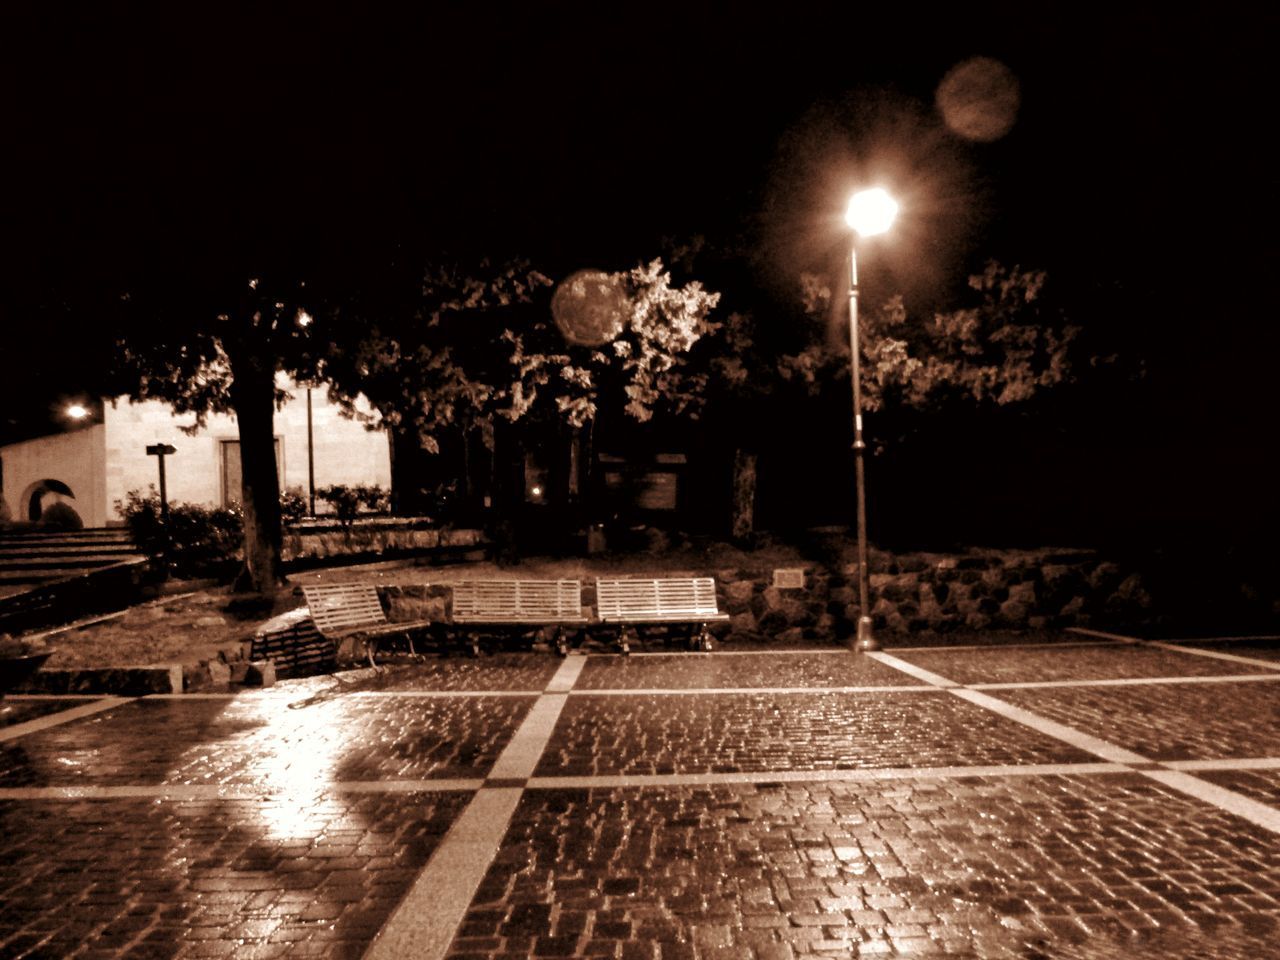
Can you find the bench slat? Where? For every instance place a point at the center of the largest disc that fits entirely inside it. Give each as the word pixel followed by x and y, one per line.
pixel 517 601
pixel 339 608
pixel 658 600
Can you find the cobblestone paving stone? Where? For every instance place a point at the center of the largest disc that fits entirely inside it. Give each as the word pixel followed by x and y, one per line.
pixel 692 671
pixel 20 711
pixel 974 867
pixel 805 731
pixel 1168 721
pixel 260 739
pixel 286 877
pixel 1069 663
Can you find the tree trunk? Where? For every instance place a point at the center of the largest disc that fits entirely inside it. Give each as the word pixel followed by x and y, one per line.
pixel 253 398
pixel 743 500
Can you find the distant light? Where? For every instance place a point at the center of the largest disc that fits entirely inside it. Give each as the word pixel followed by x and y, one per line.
pixel 304 318
pixel 77 412
pixel 871 212
pixel 536 491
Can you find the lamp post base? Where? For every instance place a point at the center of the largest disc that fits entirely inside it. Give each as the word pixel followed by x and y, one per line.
pixel 866 642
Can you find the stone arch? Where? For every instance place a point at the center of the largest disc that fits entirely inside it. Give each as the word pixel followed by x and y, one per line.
pixel 41 493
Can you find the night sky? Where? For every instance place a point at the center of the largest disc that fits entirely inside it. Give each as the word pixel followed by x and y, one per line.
pixel 224 139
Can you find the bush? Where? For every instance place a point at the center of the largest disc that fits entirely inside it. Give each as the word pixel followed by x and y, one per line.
pixel 347 501
pixel 293 505
pixel 60 516
pixel 200 541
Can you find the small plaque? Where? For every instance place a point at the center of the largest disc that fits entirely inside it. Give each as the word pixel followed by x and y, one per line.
pixel 791 578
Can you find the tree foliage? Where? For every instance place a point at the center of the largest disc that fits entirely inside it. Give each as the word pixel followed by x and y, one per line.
pixel 473 347
pixel 217 348
pixel 1004 349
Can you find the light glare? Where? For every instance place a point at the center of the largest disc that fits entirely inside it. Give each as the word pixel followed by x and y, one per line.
pixel 871 212
pixel 77 412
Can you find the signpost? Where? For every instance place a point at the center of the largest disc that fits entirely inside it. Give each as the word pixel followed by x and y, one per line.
pixel 160 451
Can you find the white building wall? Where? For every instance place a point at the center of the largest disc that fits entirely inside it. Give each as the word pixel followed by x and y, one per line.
pixel 74 458
pixel 344 450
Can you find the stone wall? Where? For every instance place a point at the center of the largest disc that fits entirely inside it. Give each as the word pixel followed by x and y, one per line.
pixel 977 590
pixel 372 536
pixel 932 592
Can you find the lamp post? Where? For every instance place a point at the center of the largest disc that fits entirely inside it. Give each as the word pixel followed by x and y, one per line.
pixel 870 212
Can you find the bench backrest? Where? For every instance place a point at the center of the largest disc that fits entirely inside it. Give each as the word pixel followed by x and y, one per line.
pixel 340 607
pixel 517 601
pixel 667 598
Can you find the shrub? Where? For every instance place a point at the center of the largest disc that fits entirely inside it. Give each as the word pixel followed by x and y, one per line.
pixel 60 516
pixel 293 505
pixel 347 501
pixel 200 540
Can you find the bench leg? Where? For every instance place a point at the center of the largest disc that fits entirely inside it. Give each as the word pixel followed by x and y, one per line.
pixel 473 644
pixel 702 639
pixel 562 643
pixel 625 636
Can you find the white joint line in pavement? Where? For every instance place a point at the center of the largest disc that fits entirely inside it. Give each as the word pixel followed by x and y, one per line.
pixel 443 694
pixel 1220 797
pixel 1056 645
pixel 1197 652
pixel 1178 646
pixel 730 691
pixel 1059 731
pixel 61 717
pixel 685 655
pixel 1103 635
pixel 54 696
pixel 424 924
pixel 1127 682
pixel 427 919
pixel 920 673
pixel 231 791
pixel 869 775
pixel 1234 803
pixel 564 679
pixel 1227 763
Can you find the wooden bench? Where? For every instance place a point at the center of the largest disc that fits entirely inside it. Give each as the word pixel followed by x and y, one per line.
pixel 518 603
pixel 343 609
pixel 671 600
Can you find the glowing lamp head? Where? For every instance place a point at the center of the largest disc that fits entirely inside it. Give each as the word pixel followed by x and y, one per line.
pixel 871 212
pixel 304 319
pixel 77 411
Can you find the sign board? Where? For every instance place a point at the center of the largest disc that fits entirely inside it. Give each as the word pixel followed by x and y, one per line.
pixel 160 449
pixel 789 578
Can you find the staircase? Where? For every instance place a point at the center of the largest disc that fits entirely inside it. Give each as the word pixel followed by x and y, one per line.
pixel 33 558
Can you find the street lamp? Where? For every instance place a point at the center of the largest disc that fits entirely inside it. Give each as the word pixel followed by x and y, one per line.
pixel 870 212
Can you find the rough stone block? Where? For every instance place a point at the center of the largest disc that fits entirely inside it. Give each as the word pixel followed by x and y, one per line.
pixel 260 673
pixel 1013 613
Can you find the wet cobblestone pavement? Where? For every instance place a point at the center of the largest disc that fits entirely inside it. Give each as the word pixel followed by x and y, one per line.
pixel 1122 800
pixel 1073 663
pixel 807 731
pixel 1169 721
pixel 717 671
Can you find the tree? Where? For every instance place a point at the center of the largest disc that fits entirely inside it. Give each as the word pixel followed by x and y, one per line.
pixel 474 350
pixel 219 350
pixel 1004 350
pixel 425 347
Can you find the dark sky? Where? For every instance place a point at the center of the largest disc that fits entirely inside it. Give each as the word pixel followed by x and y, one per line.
pixel 211 137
